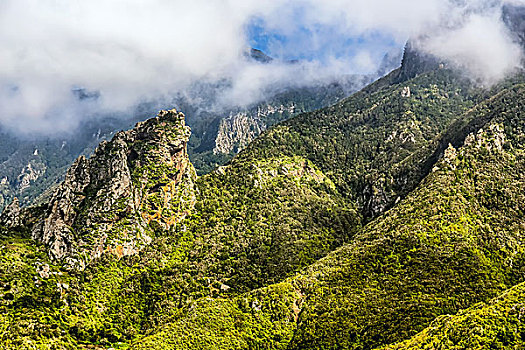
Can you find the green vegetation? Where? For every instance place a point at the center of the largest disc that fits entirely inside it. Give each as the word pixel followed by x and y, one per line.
pixel 280 107
pixel 352 227
pixel 364 143
pixel 493 325
pixel 453 242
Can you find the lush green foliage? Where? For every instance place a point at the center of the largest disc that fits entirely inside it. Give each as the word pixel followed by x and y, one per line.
pixel 454 241
pixel 274 254
pixel 364 143
pixel 279 107
pixel 493 325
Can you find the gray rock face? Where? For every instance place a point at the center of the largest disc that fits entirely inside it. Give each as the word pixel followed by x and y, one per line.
pixel 55 228
pixel 416 62
pixel 11 215
pixel 116 200
pixel 31 172
pixel 238 130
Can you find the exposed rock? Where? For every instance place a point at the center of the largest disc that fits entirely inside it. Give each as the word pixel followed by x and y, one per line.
pixel 377 196
pixel 415 62
pixel 257 56
pixel 43 270
pixel 405 92
pixel 492 139
pixel 11 215
pixel 239 130
pixel 450 155
pixel 236 132
pixel 31 172
pixel 256 305
pixel 137 184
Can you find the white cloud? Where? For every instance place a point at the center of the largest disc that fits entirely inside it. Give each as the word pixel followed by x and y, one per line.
pixel 136 50
pixel 481 46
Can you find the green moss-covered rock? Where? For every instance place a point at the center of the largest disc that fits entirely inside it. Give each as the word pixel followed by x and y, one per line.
pixel 132 188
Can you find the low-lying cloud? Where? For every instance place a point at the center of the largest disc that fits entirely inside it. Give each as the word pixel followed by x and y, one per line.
pixel 131 51
pixel 478 43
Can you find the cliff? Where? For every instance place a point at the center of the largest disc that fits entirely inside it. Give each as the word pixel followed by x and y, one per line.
pixel 133 187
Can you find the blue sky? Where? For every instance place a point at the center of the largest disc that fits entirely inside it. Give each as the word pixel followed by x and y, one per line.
pixel 170 44
pixel 315 42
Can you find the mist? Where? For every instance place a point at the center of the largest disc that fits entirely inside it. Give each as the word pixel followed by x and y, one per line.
pixel 63 61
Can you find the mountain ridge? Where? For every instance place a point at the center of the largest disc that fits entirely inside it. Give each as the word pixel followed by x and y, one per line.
pixel 354 226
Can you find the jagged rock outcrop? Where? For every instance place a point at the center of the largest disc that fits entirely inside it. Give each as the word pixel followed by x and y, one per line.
pixel 236 132
pixel 30 173
pixel 239 130
pixel 11 215
pixel 257 56
pixel 139 183
pixel 416 62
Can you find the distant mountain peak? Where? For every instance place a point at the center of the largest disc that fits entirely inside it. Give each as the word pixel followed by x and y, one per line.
pixel 257 56
pixel 416 61
pixel 514 18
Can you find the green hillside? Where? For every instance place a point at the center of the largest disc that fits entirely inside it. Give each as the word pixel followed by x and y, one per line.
pixel 454 241
pixel 351 227
pixel 492 325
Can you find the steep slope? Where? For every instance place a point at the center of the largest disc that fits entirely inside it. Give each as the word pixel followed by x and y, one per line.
pixel 29 166
pixel 115 200
pixel 131 245
pixel 454 241
pixel 365 142
pixel 218 136
pixel 115 235
pixel 305 187
pixel 496 324
pixel 220 129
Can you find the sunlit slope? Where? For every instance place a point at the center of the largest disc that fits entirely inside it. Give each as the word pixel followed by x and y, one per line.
pixel 496 324
pixel 456 240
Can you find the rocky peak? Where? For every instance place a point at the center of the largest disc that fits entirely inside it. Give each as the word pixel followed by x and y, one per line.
pixel 238 130
pixel 136 186
pixel 416 62
pixel 257 56
pixel 31 172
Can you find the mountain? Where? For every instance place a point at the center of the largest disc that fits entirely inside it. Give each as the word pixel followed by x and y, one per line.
pixel 383 220
pixel 451 242
pixel 221 136
pixel 115 198
pixel 258 56
pixel 31 165
pixel 219 132
pixel 244 235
